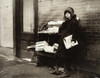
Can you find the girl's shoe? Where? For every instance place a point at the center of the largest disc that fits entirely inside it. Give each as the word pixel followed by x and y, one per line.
pixel 56 72
pixel 63 75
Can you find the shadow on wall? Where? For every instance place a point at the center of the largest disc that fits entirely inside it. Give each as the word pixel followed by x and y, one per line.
pixel 90 36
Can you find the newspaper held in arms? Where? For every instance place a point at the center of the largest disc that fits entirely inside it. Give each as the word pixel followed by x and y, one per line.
pixel 69 43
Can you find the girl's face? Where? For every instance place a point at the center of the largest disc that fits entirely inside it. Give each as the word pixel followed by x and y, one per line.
pixel 68 15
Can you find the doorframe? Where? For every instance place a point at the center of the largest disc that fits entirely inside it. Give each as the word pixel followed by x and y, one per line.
pixel 18 24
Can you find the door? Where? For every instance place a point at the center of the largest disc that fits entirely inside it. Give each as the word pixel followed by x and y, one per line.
pixel 25 26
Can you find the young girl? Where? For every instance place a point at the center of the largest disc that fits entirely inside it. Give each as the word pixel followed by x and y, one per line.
pixel 69 27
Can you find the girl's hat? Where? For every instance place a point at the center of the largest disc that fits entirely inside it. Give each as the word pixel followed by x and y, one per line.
pixel 70 10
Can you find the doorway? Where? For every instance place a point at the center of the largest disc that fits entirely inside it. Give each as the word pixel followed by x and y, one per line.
pixel 25 26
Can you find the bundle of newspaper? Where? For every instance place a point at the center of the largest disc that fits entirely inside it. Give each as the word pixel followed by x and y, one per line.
pixel 51 49
pixel 53 29
pixel 55 22
pixel 40 45
pixel 44 46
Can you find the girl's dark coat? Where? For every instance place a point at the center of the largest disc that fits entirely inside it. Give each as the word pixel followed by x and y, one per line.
pixel 67 28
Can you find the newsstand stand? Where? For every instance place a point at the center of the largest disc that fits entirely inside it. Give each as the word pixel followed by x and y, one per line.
pixel 44 57
pixel 50 36
pixel 47 44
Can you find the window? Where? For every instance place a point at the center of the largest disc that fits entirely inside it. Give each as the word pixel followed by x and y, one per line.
pixel 28 15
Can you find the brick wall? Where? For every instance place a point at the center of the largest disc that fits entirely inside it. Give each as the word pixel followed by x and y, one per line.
pixel 89 13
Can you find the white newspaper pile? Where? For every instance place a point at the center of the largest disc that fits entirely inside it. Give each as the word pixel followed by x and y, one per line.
pixel 44 46
pixel 40 45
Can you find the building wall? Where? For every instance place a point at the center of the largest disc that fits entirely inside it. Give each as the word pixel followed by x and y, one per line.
pixel 0 22
pixel 89 13
pixel 6 23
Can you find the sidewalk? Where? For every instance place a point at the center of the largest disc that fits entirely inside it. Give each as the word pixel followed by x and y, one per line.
pixel 12 67
pixel 15 68
pixel 7 53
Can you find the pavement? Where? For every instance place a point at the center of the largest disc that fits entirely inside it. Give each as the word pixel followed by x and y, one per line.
pixel 12 67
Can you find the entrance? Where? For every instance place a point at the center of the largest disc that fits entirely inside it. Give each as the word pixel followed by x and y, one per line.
pixel 25 26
